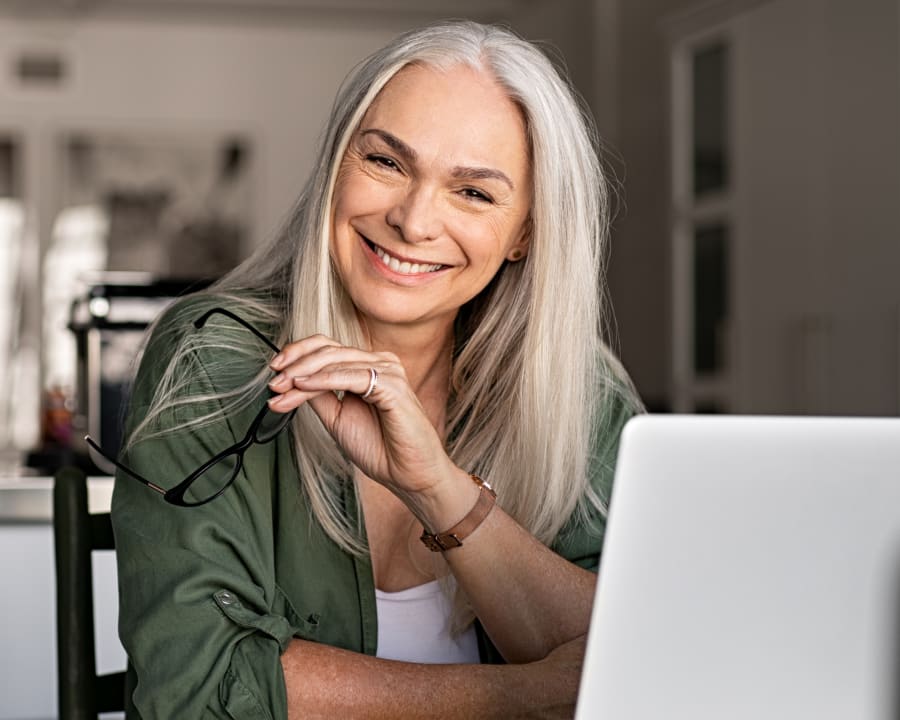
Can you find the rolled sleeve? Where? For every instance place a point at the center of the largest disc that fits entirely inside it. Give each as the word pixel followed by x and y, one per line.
pixel 202 622
pixel 247 689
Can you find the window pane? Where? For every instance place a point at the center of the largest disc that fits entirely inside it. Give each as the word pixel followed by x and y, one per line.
pixel 710 118
pixel 710 298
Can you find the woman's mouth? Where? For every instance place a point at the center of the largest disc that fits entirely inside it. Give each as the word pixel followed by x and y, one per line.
pixel 403 267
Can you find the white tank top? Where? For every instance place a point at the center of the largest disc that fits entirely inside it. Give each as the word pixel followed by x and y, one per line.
pixel 413 625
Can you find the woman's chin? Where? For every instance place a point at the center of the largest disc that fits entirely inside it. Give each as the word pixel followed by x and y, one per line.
pixel 403 317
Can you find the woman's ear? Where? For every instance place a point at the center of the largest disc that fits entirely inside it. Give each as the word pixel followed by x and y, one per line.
pixel 520 249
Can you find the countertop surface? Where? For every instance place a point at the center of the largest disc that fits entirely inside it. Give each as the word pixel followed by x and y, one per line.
pixel 29 499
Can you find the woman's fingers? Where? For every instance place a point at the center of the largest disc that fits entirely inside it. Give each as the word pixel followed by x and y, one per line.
pixel 296 350
pixel 329 359
pixel 292 399
pixel 318 363
pixel 371 380
pixel 366 403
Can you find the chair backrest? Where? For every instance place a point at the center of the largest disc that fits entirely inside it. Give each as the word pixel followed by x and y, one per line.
pixel 77 533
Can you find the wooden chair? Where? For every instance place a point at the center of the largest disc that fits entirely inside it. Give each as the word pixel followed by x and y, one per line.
pixel 77 533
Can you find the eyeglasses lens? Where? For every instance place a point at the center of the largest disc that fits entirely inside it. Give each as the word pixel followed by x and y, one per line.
pixel 271 424
pixel 210 483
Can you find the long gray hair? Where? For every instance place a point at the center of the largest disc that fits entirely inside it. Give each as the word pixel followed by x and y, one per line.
pixel 531 371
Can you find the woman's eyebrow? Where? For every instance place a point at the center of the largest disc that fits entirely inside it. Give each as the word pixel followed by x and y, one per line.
pixel 459 172
pixel 395 143
pixel 480 173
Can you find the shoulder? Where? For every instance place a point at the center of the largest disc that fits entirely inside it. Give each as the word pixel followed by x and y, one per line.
pixel 220 358
pixel 201 330
pixel 210 316
pixel 618 402
pixel 581 539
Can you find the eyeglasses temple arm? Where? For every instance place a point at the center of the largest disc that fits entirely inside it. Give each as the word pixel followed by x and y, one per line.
pixel 123 468
pixel 201 321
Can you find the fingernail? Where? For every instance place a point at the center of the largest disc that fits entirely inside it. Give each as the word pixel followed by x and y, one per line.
pixel 275 400
pixel 277 379
pixel 277 361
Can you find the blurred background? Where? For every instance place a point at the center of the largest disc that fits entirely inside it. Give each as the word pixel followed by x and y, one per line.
pixel 146 146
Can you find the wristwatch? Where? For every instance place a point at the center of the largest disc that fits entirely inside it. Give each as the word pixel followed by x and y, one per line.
pixel 439 542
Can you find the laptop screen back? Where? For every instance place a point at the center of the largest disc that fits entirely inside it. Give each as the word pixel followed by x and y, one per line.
pixel 751 569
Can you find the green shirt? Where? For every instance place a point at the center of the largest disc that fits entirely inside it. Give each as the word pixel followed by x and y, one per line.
pixel 210 596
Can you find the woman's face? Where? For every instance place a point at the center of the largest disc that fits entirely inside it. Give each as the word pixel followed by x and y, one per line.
pixel 432 196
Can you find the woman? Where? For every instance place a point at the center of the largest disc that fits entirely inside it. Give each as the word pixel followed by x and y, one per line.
pixel 435 309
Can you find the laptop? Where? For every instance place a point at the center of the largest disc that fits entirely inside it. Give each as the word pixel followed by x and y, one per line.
pixel 751 569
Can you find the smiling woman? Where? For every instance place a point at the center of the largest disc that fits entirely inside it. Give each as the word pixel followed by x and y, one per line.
pixel 437 300
pixel 431 197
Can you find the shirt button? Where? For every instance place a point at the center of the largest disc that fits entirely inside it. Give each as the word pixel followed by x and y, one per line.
pixel 226 598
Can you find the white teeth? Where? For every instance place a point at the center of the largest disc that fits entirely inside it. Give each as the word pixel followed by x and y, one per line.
pixel 404 268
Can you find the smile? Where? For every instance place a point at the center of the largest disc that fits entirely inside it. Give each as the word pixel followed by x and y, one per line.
pixel 403 267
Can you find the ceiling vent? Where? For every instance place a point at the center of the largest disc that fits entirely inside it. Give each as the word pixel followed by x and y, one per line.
pixel 45 69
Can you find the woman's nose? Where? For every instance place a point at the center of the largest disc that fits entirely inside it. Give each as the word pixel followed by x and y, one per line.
pixel 416 215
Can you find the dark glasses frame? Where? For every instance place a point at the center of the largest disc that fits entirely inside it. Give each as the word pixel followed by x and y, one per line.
pixel 176 494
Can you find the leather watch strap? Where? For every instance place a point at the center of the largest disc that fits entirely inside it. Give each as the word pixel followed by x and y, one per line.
pixel 439 542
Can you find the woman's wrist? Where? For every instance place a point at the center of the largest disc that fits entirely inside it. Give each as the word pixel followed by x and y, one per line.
pixel 447 501
pixel 453 538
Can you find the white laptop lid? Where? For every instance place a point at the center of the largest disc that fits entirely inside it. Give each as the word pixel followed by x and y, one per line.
pixel 751 569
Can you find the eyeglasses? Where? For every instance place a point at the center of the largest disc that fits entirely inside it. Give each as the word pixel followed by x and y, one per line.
pixel 216 475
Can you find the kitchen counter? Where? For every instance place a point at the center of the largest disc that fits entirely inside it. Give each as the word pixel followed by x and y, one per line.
pixel 30 499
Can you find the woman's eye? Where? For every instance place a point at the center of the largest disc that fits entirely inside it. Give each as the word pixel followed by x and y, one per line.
pixel 383 161
pixel 473 194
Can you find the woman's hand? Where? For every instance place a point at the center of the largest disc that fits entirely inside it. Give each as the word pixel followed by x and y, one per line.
pixel 388 435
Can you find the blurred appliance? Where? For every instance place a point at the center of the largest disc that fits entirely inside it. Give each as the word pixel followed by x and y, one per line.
pixel 109 322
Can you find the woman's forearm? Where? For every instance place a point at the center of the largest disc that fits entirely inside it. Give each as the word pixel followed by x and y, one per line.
pixel 528 599
pixel 328 682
